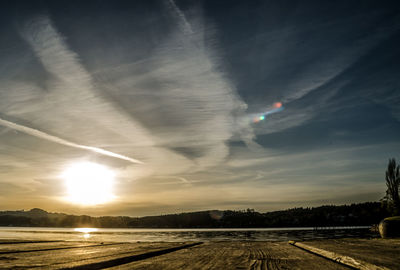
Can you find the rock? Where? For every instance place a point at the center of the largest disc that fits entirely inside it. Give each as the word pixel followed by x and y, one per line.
pixel 390 227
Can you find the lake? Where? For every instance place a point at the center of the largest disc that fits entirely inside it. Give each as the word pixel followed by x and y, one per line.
pixel 181 235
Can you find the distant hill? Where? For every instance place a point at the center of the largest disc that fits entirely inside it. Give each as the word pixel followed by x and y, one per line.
pixel 345 215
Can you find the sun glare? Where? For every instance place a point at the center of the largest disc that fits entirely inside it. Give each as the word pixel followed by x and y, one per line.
pixel 89 183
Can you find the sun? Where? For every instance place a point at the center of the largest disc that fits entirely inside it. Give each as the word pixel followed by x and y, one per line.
pixel 89 183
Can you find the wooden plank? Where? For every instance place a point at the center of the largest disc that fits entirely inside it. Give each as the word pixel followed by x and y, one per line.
pixel 37 247
pixel 377 251
pixel 236 255
pixel 339 258
pixel 81 255
pixel 210 255
pixel 205 256
pixel 279 255
pixel 13 242
pixel 127 259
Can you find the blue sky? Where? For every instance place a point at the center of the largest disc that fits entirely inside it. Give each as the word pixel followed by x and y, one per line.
pixel 176 85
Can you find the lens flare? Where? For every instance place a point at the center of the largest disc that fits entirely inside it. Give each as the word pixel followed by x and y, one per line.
pixel 276 107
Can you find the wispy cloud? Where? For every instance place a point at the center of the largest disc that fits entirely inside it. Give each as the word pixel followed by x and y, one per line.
pixel 325 70
pixel 72 106
pixel 197 106
pixel 183 96
pixel 166 84
pixel 187 28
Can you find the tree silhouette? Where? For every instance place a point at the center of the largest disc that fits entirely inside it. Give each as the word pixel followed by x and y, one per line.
pixel 393 183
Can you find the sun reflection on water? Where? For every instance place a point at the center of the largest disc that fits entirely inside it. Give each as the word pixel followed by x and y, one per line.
pixel 86 231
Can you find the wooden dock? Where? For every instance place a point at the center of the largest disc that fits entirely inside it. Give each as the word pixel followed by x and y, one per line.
pixel 383 254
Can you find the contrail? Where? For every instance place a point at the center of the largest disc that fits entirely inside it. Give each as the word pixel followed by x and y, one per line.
pixel 186 25
pixel 43 135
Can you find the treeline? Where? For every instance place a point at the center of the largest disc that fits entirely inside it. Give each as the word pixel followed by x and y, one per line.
pixel 345 215
pixel 39 218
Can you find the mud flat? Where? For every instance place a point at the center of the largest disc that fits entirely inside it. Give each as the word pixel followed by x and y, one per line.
pixel 382 254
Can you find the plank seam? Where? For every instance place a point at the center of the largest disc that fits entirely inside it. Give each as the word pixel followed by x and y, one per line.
pixel 129 259
pixel 338 258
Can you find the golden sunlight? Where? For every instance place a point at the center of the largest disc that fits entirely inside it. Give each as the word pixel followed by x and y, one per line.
pixel 86 231
pixel 89 183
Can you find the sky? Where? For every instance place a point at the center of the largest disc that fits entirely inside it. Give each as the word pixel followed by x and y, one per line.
pixel 164 94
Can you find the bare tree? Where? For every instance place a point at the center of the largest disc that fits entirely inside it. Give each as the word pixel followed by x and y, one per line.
pixel 393 184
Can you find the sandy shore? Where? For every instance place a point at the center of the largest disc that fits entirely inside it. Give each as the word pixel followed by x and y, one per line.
pixel 190 255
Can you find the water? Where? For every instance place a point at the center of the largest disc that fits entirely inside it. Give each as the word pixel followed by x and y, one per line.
pixel 181 235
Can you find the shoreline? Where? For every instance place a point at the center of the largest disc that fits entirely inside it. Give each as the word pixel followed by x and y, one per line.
pixel 182 235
